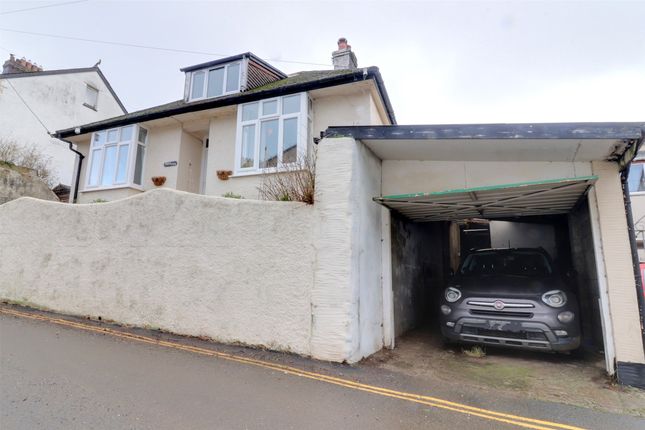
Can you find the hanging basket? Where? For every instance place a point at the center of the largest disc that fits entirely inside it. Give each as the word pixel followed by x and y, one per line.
pixel 158 180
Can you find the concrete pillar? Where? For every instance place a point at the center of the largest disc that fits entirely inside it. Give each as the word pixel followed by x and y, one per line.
pixel 621 288
pixel 347 297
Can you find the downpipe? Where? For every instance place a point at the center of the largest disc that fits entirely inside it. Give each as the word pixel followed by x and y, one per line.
pixel 78 170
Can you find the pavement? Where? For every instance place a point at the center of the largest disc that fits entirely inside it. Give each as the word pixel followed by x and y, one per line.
pixel 60 372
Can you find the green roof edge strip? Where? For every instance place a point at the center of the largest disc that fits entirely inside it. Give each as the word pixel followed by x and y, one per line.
pixel 489 188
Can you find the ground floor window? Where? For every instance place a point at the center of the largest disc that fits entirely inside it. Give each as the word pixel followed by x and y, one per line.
pixel 271 133
pixel 116 157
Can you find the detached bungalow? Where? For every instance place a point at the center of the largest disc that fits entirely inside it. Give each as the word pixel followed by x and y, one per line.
pixel 239 117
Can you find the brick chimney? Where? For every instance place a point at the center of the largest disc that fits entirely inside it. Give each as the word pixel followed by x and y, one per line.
pixel 19 66
pixel 344 58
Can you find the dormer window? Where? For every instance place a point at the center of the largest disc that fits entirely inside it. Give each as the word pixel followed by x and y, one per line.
pixel 215 81
pixel 228 75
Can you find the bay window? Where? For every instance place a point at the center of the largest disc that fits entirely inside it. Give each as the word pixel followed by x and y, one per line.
pixel 216 81
pixel 116 158
pixel 271 133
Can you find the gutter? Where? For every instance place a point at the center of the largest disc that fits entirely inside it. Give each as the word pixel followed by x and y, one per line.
pixel 78 170
pixel 246 97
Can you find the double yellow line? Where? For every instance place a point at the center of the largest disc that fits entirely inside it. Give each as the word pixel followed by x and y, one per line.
pixel 410 397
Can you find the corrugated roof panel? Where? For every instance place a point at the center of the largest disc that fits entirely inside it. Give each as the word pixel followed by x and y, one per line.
pixel 547 197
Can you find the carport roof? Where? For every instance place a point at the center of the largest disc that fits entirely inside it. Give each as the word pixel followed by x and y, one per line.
pixel 548 197
pixel 615 141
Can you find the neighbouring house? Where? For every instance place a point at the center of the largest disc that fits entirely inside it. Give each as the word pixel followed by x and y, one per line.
pixel 34 101
pixel 397 207
pixel 238 119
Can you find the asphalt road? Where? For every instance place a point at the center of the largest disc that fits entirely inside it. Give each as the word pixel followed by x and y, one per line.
pixel 59 377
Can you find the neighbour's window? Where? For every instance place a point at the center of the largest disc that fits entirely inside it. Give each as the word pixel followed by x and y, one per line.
pixel 636 178
pixel 216 81
pixel 271 132
pixel 91 97
pixel 116 157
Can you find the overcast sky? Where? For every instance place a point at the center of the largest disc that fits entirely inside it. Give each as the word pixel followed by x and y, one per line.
pixel 442 62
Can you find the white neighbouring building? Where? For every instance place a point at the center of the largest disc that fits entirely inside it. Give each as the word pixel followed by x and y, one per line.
pixel 58 98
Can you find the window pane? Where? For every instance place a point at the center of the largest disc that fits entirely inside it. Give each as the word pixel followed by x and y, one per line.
pixel 99 138
pixel 636 179
pixel 248 146
pixel 143 133
pixel 291 104
pixel 95 167
pixel 121 170
pixel 289 140
pixel 269 143
pixel 233 77
pixel 138 164
pixel 113 135
pixel 109 165
pixel 198 85
pixel 215 82
pixel 126 133
pixel 91 96
pixel 270 107
pixel 250 112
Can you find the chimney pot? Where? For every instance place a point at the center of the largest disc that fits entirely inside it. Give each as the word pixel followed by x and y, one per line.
pixel 22 65
pixel 344 58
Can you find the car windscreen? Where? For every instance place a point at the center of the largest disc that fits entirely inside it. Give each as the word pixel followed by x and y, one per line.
pixel 517 263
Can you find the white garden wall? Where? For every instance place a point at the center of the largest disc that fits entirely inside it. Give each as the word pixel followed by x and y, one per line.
pixel 232 270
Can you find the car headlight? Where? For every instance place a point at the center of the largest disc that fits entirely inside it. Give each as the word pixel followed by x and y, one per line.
pixel 555 298
pixel 452 294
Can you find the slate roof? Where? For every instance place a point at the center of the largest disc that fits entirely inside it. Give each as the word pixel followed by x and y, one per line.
pixel 298 82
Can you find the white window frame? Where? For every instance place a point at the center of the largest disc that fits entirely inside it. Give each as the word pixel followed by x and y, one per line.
pixel 637 193
pixel 303 117
pixel 130 165
pixel 206 72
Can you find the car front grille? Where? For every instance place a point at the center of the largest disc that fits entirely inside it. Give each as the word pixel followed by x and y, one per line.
pixel 525 335
pixel 494 313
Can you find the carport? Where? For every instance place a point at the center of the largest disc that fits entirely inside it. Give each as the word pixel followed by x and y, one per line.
pixel 438 181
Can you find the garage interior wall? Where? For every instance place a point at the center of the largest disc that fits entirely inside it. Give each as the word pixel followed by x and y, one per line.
pixel 417 270
pixel 586 274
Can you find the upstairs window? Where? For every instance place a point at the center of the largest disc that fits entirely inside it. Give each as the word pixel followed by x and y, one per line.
pixel 91 97
pixel 116 157
pixel 271 133
pixel 215 81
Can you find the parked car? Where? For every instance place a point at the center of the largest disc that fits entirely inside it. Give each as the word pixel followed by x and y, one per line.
pixel 513 298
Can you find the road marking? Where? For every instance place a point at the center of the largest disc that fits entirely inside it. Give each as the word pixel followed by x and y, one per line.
pixel 411 397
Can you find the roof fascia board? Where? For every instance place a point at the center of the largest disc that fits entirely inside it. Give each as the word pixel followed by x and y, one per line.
pixel 250 96
pixel 608 130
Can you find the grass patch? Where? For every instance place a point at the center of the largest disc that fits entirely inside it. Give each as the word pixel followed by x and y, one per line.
pixel 475 352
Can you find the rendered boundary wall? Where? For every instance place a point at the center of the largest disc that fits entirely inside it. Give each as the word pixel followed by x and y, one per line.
pixel 286 276
pixel 231 270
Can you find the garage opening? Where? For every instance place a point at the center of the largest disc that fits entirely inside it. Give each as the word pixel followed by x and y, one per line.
pixel 432 233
